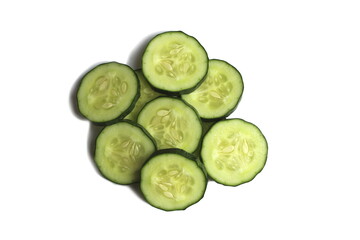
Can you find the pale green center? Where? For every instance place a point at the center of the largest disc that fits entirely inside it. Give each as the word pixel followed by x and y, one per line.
pixel 173 182
pixel 214 90
pixel 124 153
pixel 107 91
pixel 234 152
pixel 167 128
pixel 175 61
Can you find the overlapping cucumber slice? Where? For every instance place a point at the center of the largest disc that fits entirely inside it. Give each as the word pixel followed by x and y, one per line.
pixel 172 123
pixel 174 62
pixel 219 94
pixel 172 180
pixel 108 92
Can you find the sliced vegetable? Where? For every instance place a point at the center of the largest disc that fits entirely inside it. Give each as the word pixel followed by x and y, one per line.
pixel 172 123
pixel 234 151
pixel 108 92
pixel 174 62
pixel 172 180
pixel 219 94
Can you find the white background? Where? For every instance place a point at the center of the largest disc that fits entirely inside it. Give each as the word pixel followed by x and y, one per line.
pixel 300 64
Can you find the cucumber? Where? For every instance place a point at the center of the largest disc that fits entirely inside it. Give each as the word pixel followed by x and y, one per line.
pixel 172 180
pixel 174 62
pixel 108 92
pixel 234 151
pixel 172 123
pixel 146 94
pixel 219 94
pixel 121 150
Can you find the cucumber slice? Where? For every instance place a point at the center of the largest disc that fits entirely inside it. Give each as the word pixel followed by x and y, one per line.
pixel 220 92
pixel 234 151
pixel 172 180
pixel 121 150
pixel 108 92
pixel 174 62
pixel 172 123
pixel 146 94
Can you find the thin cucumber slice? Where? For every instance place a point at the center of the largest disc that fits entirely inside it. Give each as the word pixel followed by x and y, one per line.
pixel 174 62
pixel 172 123
pixel 172 180
pixel 108 92
pixel 121 150
pixel 234 151
pixel 220 93
pixel 146 95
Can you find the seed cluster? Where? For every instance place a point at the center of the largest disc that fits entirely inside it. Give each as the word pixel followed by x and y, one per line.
pixel 123 154
pixel 107 91
pixel 234 152
pixel 174 182
pixel 166 128
pixel 214 90
pixel 175 60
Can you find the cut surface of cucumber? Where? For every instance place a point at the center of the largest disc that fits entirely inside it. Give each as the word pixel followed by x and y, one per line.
pixel 220 92
pixel 234 151
pixel 172 123
pixel 108 92
pixel 172 180
pixel 174 62
pixel 146 94
pixel 121 150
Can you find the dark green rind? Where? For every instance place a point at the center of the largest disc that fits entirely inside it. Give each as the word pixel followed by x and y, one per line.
pixel 235 185
pixel 186 155
pixel 134 124
pixel 235 106
pixel 183 153
pixel 184 91
pixel 124 113
pixel 178 98
pixel 175 94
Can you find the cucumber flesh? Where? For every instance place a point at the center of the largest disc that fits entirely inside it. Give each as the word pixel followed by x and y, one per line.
pixel 172 123
pixel 146 94
pixel 108 92
pixel 220 92
pixel 121 150
pixel 234 151
pixel 174 62
pixel 172 180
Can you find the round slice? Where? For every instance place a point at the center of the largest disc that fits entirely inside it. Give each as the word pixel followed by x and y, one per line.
pixel 220 92
pixel 146 94
pixel 234 151
pixel 172 123
pixel 174 62
pixel 172 180
pixel 121 150
pixel 108 92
